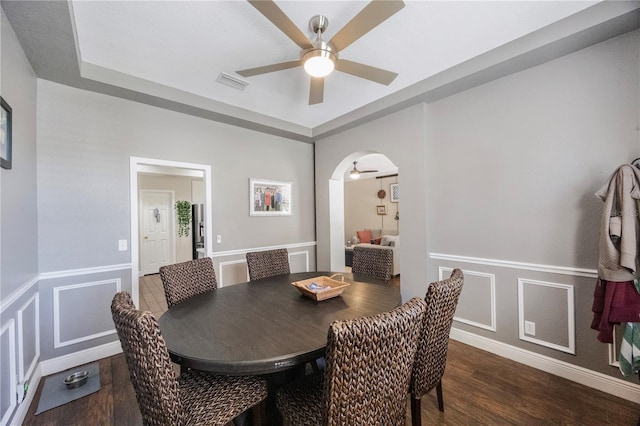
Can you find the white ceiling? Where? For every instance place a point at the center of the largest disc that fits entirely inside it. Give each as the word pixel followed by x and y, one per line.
pixel 186 44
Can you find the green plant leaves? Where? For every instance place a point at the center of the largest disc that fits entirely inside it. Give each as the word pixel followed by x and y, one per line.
pixel 183 208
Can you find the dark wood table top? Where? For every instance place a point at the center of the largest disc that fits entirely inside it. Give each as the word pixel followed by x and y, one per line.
pixel 266 326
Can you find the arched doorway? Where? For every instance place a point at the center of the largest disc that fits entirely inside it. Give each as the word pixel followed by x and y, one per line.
pixel 355 203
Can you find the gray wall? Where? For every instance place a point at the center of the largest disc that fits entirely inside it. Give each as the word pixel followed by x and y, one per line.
pixel 85 143
pixel 506 173
pixel 525 156
pixel 88 135
pixel 18 225
pixel 19 205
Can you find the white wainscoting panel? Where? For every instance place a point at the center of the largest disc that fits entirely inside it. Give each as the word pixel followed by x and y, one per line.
pixel 571 336
pixel 234 273
pixel 489 293
pixel 58 293
pixel 295 263
pixel 28 315
pixel 8 369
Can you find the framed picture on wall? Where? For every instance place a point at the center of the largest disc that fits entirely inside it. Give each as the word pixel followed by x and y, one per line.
pixel 382 209
pixel 394 192
pixel 269 198
pixel 5 134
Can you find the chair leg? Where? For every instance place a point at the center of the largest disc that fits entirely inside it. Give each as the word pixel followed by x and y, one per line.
pixel 416 417
pixel 440 399
pixel 259 412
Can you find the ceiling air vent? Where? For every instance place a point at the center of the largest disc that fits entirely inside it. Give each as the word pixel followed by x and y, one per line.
pixel 232 81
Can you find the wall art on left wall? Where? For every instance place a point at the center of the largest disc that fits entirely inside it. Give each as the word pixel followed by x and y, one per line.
pixel 5 134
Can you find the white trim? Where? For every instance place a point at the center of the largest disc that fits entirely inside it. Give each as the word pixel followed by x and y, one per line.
pixel 564 270
pixel 492 285
pixel 298 253
pixel 64 362
pixel 11 327
pixel 231 262
pixel 571 323
pixel 244 251
pixel 84 271
pixel 22 375
pixel 611 385
pixel 23 408
pixel 19 292
pixel 57 343
pixel 134 162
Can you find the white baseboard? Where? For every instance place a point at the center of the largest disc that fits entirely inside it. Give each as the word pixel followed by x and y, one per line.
pixel 590 378
pixel 23 408
pixel 75 359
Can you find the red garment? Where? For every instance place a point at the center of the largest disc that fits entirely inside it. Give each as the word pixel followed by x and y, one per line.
pixel 614 302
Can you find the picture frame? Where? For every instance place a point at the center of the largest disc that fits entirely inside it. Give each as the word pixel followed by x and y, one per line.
pixel 394 192
pixel 5 134
pixel 381 210
pixel 270 198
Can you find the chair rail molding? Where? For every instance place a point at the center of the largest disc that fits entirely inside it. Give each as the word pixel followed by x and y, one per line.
pixel 564 270
pixel 19 292
pixel 244 251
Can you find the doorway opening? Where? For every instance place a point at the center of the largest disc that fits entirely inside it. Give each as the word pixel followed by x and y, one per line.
pixel 153 215
pixel 357 203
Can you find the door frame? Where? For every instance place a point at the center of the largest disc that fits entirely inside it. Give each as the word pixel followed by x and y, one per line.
pixel 171 224
pixel 135 163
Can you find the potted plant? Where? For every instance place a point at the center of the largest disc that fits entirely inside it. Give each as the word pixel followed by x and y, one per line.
pixel 183 208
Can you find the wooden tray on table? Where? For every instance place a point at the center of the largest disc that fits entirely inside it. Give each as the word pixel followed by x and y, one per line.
pixel 321 288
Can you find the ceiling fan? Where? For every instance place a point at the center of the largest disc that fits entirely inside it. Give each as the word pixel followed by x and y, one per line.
pixel 355 173
pixel 318 57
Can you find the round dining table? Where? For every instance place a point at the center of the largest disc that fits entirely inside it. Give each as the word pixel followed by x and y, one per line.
pixel 266 326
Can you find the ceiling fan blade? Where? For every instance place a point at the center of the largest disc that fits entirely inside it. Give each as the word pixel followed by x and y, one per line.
pixel 367 19
pixel 316 92
pixel 368 171
pixel 269 68
pixel 366 71
pixel 274 14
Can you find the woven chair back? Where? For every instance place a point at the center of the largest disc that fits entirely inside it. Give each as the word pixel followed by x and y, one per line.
pixel 442 299
pixel 149 364
pixel 182 281
pixel 369 363
pixel 374 262
pixel 269 263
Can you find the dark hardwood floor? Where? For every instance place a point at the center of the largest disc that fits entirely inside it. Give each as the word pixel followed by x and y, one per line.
pixel 479 389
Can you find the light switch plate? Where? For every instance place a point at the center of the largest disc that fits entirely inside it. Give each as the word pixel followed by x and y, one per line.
pixel 219 239
pixel 122 245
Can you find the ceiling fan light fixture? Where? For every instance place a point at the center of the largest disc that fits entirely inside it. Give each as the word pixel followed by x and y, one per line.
pixel 320 60
pixel 354 174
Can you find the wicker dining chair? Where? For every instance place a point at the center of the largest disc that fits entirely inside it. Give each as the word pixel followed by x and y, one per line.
pixel 374 262
pixel 366 380
pixel 431 357
pixel 194 398
pixel 181 281
pixel 269 263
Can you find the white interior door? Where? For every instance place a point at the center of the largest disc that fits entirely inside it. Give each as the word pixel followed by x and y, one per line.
pixel 156 236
